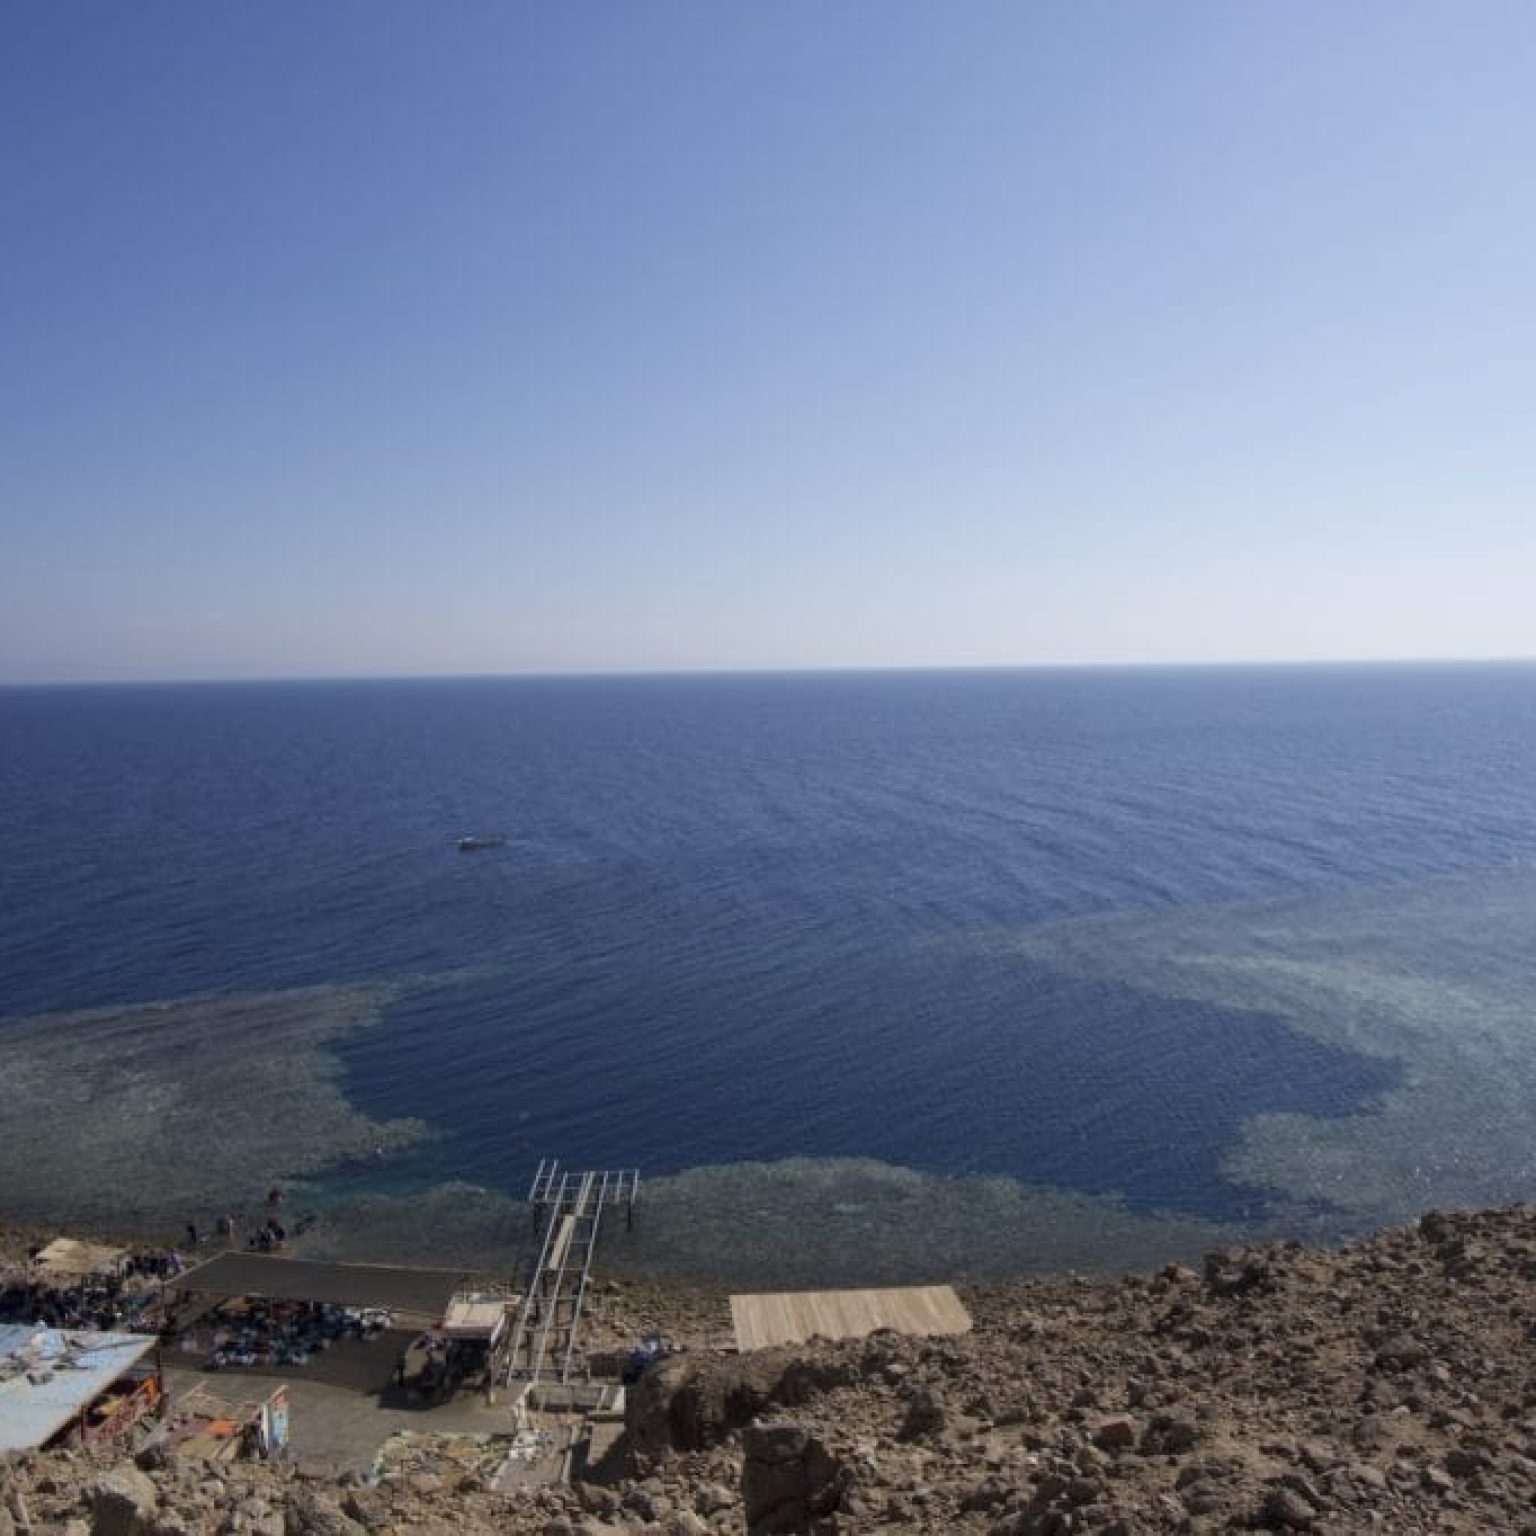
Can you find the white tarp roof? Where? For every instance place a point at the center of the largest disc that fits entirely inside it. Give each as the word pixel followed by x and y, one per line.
pixel 73 1366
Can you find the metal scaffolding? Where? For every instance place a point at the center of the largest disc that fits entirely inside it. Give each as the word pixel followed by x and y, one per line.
pixel 569 1207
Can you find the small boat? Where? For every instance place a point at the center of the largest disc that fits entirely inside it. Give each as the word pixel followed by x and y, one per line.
pixel 477 841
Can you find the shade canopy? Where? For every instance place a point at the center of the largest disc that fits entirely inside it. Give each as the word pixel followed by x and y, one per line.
pixel 791 1317
pixel 424 1292
pixel 68 1258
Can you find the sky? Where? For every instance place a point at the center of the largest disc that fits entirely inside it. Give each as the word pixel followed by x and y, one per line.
pixel 373 338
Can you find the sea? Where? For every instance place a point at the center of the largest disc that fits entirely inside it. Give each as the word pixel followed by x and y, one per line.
pixel 871 976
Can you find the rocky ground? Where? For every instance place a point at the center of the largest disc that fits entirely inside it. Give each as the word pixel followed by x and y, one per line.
pixel 1388 1386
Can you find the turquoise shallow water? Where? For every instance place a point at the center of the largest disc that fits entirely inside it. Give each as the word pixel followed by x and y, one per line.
pixel 1171 953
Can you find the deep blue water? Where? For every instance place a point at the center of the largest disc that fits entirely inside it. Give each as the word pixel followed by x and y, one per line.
pixel 758 917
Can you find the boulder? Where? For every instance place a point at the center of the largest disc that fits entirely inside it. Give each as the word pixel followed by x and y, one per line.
pixel 122 1503
pixel 597 1500
pixel 1364 1475
pixel 926 1416
pixel 712 1498
pixel 684 1403
pixel 1286 1508
pixel 1234 1274
pixel 1169 1435
pixel 788 1479
pixel 1400 1353
pixel 313 1514
pixel 1462 1462
pixel 1115 1434
pixel 367 1506
pixel 171 1522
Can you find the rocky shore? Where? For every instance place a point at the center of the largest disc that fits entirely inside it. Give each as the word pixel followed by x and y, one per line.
pixel 1388 1386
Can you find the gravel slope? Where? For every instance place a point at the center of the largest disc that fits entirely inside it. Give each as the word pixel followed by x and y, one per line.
pixel 1388 1386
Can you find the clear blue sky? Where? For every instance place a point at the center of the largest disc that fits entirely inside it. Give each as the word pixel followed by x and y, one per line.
pixel 480 337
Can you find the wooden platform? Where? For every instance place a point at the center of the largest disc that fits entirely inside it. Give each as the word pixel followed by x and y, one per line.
pixel 789 1317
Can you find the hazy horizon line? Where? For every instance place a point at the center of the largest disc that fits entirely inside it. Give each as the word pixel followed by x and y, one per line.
pixel 576 674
